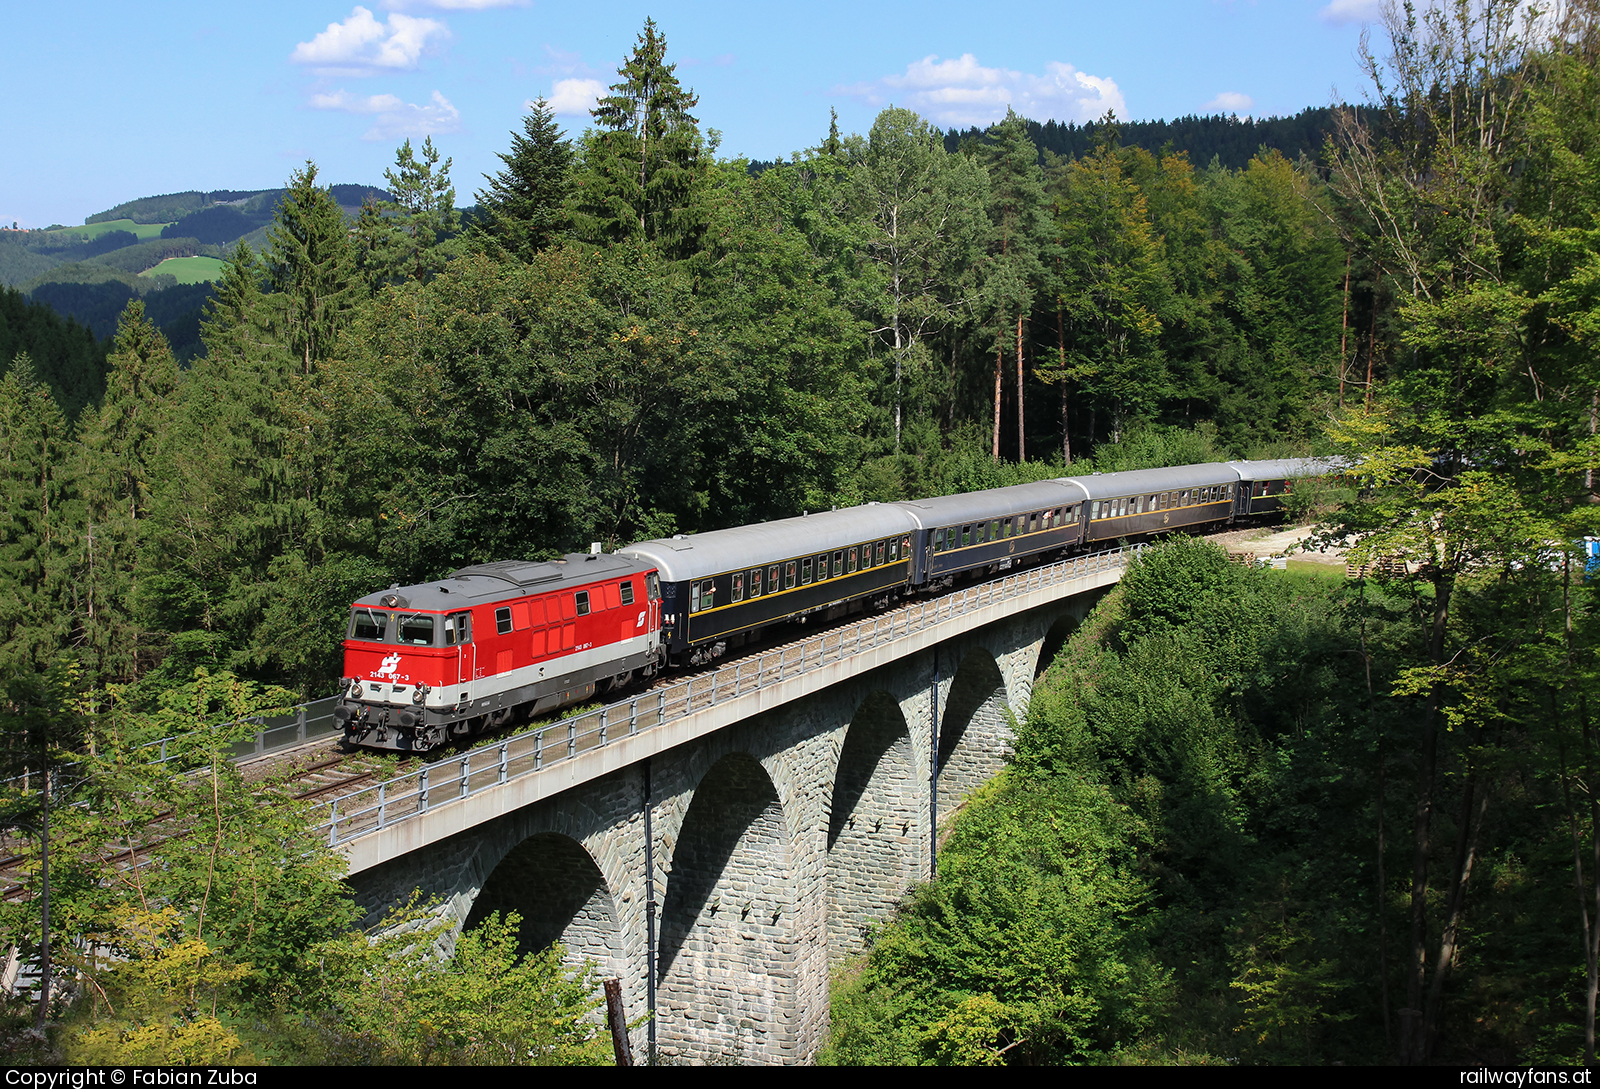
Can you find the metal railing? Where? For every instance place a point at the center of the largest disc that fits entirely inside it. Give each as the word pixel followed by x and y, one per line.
pixel 371 808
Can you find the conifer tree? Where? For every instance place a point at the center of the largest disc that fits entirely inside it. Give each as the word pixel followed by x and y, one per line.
pixel 412 236
pixel 643 165
pixel 310 268
pixel 117 455
pixel 524 205
pixel 35 525
pixel 1013 270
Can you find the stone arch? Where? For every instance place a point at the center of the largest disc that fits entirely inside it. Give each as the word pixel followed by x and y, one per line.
pixel 875 824
pixel 554 884
pixel 1054 640
pixel 974 729
pixel 728 950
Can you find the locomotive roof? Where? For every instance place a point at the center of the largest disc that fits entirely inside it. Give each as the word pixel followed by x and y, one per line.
pixel 489 582
pixel 1142 481
pixel 699 555
pixel 948 510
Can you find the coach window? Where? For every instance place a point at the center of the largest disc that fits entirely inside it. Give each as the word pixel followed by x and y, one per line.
pixel 805 571
pixel 788 575
pixel 880 553
pixel 502 621
pixel 738 586
pixel 850 562
pixel 838 563
pixel 938 540
pixel 583 603
pixel 755 582
pixel 627 592
pixel 773 585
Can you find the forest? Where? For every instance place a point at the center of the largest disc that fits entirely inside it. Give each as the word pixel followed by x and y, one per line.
pixel 1251 818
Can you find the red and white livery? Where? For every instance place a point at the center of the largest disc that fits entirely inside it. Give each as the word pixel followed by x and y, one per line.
pixel 450 658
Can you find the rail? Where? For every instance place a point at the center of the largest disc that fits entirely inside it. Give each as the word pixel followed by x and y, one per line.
pixel 460 775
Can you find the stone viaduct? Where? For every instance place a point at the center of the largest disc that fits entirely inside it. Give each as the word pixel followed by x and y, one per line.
pixel 759 854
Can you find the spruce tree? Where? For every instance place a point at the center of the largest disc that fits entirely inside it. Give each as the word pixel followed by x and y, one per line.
pixel 644 164
pixel 36 527
pixel 310 268
pixel 117 456
pixel 525 204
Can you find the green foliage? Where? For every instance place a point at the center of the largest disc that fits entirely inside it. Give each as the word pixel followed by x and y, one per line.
pixel 65 355
pixel 524 207
pixel 640 168
pixel 1028 948
pixel 412 235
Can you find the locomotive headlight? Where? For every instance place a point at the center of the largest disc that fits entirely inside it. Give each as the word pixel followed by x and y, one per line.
pixel 420 694
pixel 355 689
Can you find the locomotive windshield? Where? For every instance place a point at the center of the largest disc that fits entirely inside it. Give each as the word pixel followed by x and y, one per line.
pixel 417 629
pixel 377 626
pixel 369 624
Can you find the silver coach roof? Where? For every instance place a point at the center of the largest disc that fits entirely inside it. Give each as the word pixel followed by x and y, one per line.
pixel 699 555
pixel 947 510
pixel 1150 481
pixel 1285 468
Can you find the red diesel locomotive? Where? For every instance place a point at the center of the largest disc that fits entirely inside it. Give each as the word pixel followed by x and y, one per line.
pixel 450 658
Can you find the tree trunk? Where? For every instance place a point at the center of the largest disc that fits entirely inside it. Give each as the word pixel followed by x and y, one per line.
pixel 1344 326
pixel 999 365
pixel 1066 429
pixel 1412 1039
pixel 1022 442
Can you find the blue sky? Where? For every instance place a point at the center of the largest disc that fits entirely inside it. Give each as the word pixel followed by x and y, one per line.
pixel 107 102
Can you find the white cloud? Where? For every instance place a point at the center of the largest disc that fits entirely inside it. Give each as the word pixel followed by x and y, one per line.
pixel 361 45
pixel 392 117
pixel 574 97
pixel 1229 102
pixel 960 92
pixel 1352 11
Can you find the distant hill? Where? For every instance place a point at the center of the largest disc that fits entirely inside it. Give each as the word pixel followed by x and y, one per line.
pixel 1231 140
pixel 75 281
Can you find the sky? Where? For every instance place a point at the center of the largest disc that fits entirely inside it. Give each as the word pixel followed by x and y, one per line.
pixel 107 102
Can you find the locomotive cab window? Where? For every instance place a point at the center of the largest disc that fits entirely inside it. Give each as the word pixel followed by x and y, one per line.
pixel 457 629
pixel 369 624
pixel 652 586
pixel 417 630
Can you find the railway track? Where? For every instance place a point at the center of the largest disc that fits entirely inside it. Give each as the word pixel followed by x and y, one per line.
pixel 323 772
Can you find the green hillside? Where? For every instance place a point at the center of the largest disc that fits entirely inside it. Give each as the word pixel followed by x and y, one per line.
pixel 190 270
